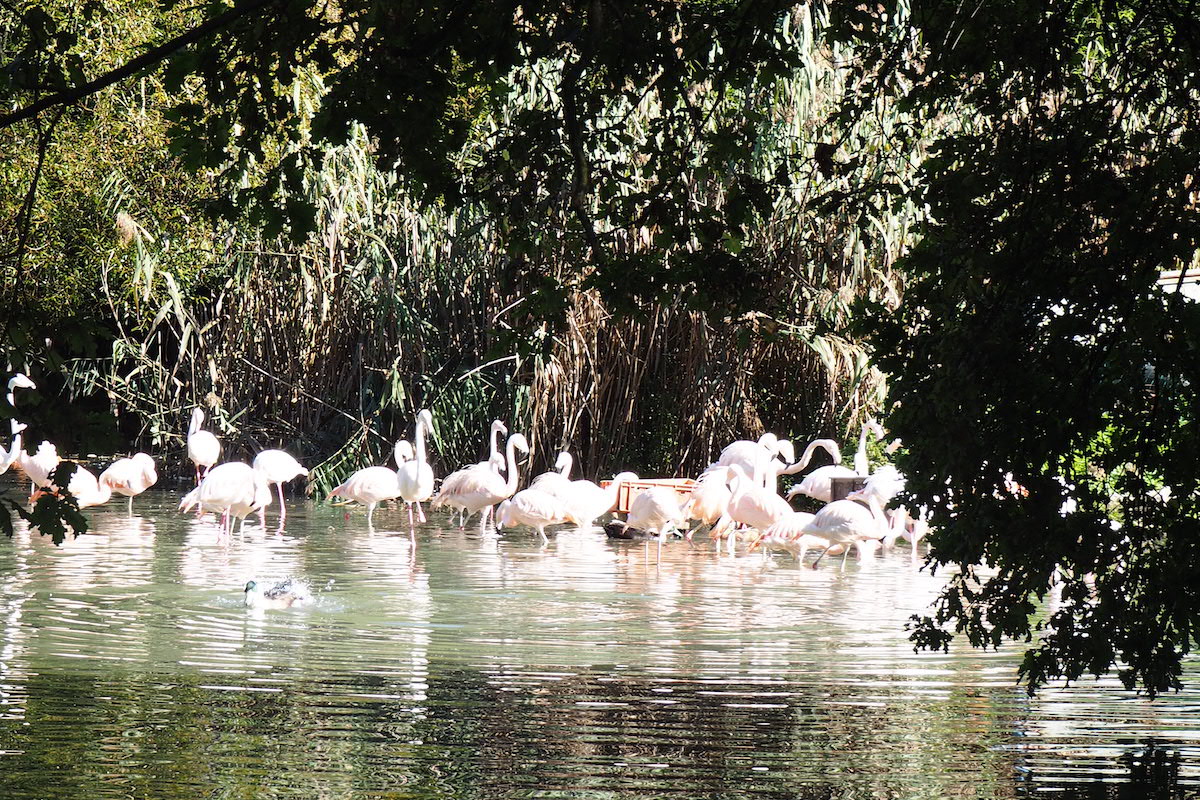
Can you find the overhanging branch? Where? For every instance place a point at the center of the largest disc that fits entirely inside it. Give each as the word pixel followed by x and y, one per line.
pixel 150 58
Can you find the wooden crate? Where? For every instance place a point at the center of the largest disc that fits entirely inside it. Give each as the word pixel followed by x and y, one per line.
pixel 840 487
pixel 631 489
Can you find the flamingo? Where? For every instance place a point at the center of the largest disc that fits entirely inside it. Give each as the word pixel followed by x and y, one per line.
pixel 416 477
pixel 750 504
pixel 788 534
pixel 7 459
pixel 588 500
pixel 204 449
pixel 849 522
pixel 481 489
pixel 370 486
pixel 818 483
pixel 235 489
pixel 452 483
pixel 556 482
pixel 277 467
pixel 130 476
pixel 656 509
pixel 87 490
pixel 709 498
pixel 17 381
pixel 828 445
pixel 755 457
pixel 39 466
pixel 884 483
pixel 532 507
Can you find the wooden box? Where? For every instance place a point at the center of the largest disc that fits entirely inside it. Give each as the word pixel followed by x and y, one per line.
pixel 631 489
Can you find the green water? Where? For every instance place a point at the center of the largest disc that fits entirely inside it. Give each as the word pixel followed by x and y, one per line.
pixel 469 666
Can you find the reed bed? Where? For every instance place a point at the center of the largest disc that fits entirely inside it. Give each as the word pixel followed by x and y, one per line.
pixel 329 347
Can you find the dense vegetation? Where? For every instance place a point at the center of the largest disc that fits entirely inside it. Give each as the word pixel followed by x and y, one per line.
pixel 643 230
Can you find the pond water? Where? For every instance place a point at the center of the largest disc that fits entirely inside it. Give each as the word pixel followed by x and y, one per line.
pixel 459 665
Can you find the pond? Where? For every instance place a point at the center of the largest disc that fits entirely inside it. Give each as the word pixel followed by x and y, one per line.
pixel 461 665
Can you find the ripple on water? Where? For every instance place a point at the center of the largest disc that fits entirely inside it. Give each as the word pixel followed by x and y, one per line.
pixel 453 664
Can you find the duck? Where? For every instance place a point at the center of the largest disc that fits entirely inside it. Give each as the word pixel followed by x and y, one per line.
pixel 285 594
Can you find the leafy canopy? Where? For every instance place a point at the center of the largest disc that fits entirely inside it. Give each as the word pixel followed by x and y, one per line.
pixel 1033 339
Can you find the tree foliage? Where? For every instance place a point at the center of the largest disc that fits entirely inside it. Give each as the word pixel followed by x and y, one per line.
pixel 618 148
pixel 1034 341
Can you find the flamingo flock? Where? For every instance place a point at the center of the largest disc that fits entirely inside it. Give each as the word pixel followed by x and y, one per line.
pixel 736 498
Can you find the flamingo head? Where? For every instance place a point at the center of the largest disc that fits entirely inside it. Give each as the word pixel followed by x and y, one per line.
pixel 564 461
pixel 786 450
pixel 404 452
pixel 792 492
pixel 769 441
pixel 20 381
pixel 519 441
pixel 503 513
pixel 499 427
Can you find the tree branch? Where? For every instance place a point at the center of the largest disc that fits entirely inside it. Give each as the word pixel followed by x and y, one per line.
pixel 149 58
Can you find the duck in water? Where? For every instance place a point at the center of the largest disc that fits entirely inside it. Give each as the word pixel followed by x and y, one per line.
pixel 282 595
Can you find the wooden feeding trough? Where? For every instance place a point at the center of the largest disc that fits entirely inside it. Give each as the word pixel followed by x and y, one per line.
pixel 840 487
pixel 631 489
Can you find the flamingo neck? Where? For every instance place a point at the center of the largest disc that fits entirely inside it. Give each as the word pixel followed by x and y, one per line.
pixel 420 442
pixel 614 489
pixel 511 455
pixel 493 443
pixel 568 462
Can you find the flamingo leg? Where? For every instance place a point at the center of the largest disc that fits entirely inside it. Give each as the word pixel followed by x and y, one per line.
pixel 131 505
pixel 411 524
pixel 282 507
pixel 370 514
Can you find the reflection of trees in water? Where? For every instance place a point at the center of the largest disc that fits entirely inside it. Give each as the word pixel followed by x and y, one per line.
pixel 1150 771
pixel 476 734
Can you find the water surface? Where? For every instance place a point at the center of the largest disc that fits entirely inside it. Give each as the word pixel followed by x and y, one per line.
pixel 459 665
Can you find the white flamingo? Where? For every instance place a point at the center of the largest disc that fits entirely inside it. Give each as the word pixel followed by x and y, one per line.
pixel 755 457
pixel 850 523
pixel 234 489
pixel 39 466
pixel 277 467
pixel 588 500
pixel 87 490
pixel 819 482
pixel 130 476
pixel 709 499
pixel 451 485
pixel 480 489
pixel 656 510
pixel 788 534
pixel 532 507
pixel 559 480
pixel 369 486
pixel 204 449
pixel 17 381
pixel 416 477
pixel 750 505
